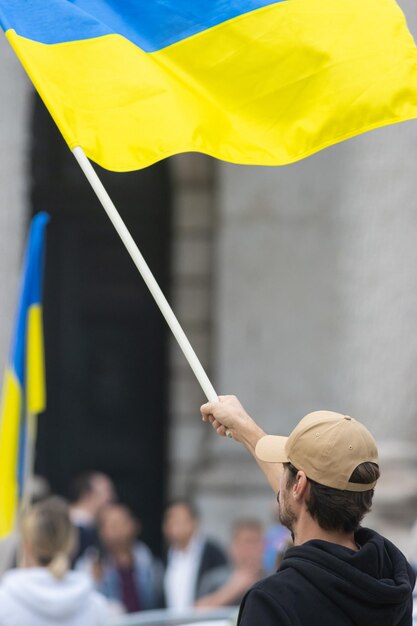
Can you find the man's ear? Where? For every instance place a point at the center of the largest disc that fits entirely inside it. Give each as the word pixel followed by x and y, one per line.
pixel 300 485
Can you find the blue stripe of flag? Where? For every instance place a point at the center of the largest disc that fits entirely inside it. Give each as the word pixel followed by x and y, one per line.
pixel 150 24
pixel 31 292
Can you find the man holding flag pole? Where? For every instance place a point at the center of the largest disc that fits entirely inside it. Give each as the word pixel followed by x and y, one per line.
pixel 338 573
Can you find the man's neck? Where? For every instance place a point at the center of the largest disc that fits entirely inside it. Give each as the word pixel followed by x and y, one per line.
pixel 186 545
pixel 307 529
pixel 82 511
pixel 123 556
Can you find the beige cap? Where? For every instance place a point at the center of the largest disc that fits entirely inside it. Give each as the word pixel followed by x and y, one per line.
pixel 327 446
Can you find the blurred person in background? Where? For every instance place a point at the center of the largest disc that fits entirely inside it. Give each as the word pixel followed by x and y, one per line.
pixel 123 568
pixel 189 554
pixel 44 591
pixel 38 489
pixel 413 547
pixel 226 585
pixel 89 492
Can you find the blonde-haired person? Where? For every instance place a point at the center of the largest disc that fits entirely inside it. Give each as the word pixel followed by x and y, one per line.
pixel 44 590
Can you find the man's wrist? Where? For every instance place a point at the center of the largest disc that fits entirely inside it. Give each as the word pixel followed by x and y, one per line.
pixel 250 435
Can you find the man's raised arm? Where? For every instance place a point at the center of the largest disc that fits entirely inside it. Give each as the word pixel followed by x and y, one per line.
pixel 228 416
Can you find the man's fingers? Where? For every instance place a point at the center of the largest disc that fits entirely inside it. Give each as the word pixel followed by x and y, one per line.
pixel 213 421
pixel 206 410
pixel 218 427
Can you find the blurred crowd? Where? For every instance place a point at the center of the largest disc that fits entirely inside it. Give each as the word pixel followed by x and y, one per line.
pixel 84 561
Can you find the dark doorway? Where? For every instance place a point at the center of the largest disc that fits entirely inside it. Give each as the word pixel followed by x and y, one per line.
pixel 105 339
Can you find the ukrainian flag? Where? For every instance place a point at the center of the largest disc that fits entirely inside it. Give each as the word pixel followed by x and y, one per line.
pixel 24 384
pixel 247 81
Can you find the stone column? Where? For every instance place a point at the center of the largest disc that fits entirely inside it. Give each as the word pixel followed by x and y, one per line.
pixel 191 297
pixel 14 97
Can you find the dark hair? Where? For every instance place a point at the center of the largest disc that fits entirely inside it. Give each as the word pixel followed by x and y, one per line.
pixel 111 506
pixel 81 485
pixel 336 509
pixel 186 503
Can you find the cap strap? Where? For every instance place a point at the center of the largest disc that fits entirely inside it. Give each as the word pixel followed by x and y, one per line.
pixel 360 486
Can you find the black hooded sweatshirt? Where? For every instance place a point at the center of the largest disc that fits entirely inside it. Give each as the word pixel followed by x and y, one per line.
pixel 325 584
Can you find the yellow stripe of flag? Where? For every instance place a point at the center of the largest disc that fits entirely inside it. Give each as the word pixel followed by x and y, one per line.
pixel 10 413
pixel 35 362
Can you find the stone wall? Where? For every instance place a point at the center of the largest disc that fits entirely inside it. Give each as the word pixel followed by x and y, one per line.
pixel 14 90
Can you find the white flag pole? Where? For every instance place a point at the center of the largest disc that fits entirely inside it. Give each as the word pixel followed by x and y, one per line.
pixel 30 453
pixel 146 274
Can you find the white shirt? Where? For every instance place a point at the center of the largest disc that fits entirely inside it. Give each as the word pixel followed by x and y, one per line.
pixel 181 574
pixel 81 517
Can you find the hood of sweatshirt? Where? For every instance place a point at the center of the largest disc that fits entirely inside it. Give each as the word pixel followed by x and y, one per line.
pixel 44 595
pixel 373 581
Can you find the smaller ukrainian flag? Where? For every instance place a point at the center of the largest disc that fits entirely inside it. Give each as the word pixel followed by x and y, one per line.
pixel 24 384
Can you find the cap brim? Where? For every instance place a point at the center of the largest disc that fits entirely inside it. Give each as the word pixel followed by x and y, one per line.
pixel 271 449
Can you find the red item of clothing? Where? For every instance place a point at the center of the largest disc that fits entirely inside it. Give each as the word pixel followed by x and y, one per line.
pixel 130 592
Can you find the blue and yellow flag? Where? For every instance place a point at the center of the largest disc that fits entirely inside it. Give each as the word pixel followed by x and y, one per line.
pixel 248 81
pixel 24 384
